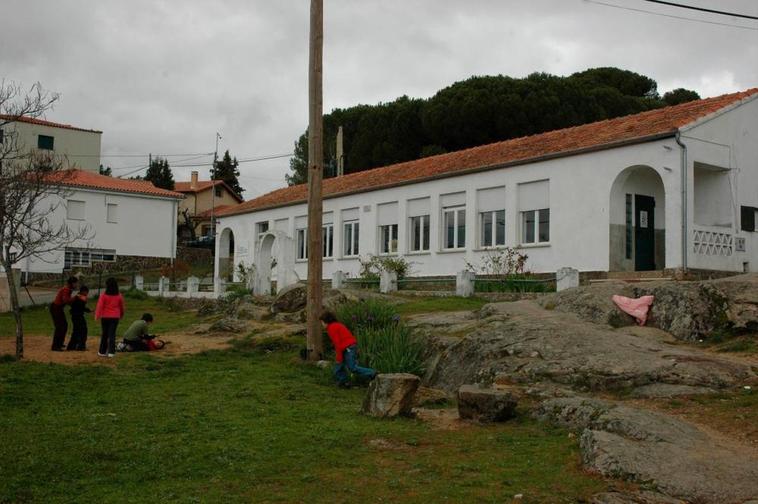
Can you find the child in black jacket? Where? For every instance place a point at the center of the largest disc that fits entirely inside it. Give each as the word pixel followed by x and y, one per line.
pixel 78 339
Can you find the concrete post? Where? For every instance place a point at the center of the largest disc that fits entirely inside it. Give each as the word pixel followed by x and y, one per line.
pixel 566 278
pixel 464 283
pixel 193 286
pixel 387 282
pixel 139 282
pixel 338 279
pixel 163 285
pixel 219 287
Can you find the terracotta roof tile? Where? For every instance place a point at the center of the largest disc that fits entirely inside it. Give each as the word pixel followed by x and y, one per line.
pixel 206 214
pixel 564 142
pixel 90 180
pixel 42 122
pixel 202 185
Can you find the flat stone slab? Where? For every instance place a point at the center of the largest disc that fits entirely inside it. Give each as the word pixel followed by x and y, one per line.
pixel 391 395
pixel 485 404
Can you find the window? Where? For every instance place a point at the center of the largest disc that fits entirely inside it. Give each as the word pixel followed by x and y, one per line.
pixel 492 228
pixel 535 225
pixel 351 238
pixel 747 218
pixel 328 240
pixel 261 227
pixel 629 226
pixel 302 244
pixel 218 191
pixel 45 142
pixel 455 228
pixel 388 239
pixel 111 213
pixel 205 230
pixel 534 205
pixel 420 233
pixel 75 210
pixel 74 257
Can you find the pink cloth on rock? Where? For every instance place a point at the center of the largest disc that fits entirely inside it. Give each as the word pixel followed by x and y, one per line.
pixel 637 308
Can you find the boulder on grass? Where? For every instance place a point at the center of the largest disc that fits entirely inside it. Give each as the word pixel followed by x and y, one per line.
pixel 291 299
pixel 485 404
pixel 391 395
pixel 250 311
pixel 228 324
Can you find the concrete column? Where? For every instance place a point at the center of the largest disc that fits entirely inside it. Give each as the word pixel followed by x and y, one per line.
pixel 566 278
pixel 338 279
pixel 193 286
pixel 464 283
pixel 163 285
pixel 219 286
pixel 139 282
pixel 387 282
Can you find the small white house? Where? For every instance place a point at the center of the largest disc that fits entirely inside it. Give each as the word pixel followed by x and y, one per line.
pixel 673 188
pixel 125 219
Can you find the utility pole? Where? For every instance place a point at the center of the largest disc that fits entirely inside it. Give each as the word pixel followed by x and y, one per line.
pixel 213 189
pixel 314 338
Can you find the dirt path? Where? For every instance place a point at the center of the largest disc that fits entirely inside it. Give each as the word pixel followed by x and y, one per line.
pixel 37 348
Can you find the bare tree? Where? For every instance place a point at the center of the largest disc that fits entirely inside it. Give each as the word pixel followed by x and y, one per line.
pixel 33 186
pixel 188 224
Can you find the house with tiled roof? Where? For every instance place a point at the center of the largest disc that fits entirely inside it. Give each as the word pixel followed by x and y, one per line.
pixel 126 221
pixel 75 147
pixel 203 198
pixel 674 188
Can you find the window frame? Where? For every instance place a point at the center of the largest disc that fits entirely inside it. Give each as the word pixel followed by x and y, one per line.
pixel 537 227
pixel 493 229
pixel 424 233
pixel 327 235
pixel 393 230
pixel 301 252
pixel 40 142
pixel 68 210
pixel 111 219
pixel 457 211
pixel 351 246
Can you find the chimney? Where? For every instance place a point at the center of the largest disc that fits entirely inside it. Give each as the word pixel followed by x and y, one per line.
pixel 193 180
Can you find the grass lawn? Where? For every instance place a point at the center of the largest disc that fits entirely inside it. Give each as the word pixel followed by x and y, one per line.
pixel 439 304
pixel 246 425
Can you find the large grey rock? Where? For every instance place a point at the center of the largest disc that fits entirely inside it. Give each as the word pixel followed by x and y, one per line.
pixel 391 395
pixel 291 299
pixel 524 343
pixel 675 457
pixel 644 497
pixel 228 324
pixel 250 311
pixel 485 404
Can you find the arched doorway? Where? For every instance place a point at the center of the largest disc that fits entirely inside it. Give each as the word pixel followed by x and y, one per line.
pixel 226 255
pixel 637 221
pixel 274 260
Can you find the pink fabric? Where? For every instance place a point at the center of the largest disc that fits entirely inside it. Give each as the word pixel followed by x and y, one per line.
pixel 637 308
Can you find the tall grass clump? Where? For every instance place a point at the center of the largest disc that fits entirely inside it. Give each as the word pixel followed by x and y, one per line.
pixel 385 342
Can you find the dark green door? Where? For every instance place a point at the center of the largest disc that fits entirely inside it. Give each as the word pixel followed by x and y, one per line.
pixel 644 233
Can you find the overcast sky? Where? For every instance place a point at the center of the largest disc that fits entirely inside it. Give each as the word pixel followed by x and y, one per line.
pixel 164 76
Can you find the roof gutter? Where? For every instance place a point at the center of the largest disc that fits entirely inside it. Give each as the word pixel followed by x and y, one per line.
pixel 683 196
pixel 458 173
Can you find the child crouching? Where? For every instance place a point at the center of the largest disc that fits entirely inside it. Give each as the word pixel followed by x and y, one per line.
pixel 345 349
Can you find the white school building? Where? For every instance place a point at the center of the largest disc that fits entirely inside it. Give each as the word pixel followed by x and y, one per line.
pixel 674 188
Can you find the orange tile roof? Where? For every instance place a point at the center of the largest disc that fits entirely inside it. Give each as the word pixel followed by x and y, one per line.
pixel 90 180
pixel 42 122
pixel 202 185
pixel 207 214
pixel 635 128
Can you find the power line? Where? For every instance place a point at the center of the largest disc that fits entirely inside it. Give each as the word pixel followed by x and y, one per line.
pixel 703 9
pixel 597 2
pixel 250 160
pixel 142 155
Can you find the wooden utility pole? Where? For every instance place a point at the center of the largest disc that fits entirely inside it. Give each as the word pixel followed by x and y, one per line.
pixel 315 174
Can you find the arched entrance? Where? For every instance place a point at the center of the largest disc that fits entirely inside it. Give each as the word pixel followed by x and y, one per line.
pixel 274 260
pixel 637 221
pixel 226 255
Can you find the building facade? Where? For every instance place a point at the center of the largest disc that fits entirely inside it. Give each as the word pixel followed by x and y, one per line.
pixel 673 188
pixel 75 147
pixel 203 198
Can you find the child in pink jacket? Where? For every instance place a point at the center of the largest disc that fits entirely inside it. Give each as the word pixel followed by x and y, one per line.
pixel 110 309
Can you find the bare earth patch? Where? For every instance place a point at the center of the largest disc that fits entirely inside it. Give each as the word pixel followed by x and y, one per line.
pixel 37 348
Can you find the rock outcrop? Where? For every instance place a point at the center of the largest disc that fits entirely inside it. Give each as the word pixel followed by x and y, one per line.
pixel 391 395
pixel 485 404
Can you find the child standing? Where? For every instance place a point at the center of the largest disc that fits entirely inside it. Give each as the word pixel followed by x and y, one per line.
pixel 78 339
pixel 62 298
pixel 110 309
pixel 345 349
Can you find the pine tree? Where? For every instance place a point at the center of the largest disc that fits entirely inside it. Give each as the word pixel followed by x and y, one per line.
pixel 106 170
pixel 227 170
pixel 159 173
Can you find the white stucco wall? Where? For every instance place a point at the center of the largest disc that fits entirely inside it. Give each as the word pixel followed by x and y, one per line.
pixel 146 227
pixel 79 148
pixel 579 197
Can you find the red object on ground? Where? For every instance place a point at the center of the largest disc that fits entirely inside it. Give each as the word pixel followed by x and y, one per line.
pixel 637 308
pixel 341 338
pixel 151 346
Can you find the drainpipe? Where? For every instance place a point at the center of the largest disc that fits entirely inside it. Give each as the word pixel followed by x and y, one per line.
pixel 685 237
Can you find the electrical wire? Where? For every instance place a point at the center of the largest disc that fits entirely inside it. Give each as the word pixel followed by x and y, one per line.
pixel 597 2
pixel 703 9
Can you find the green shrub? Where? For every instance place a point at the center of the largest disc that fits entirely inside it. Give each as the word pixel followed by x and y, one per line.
pixel 513 283
pixel 391 349
pixel 372 267
pixel 367 314
pixel 137 294
pixel 235 292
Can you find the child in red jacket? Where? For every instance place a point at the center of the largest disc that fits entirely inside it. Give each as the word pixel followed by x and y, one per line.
pixel 345 349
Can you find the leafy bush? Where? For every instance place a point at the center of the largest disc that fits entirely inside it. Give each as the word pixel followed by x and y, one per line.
pixel 367 314
pixel 513 283
pixel 392 349
pixel 136 294
pixel 235 292
pixel 374 265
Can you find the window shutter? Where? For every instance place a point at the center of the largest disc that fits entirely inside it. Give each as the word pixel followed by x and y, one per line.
pixel 417 207
pixel 747 218
pixel 350 214
pixel 489 200
pixel 301 222
pixel 451 200
pixel 387 214
pixel 534 195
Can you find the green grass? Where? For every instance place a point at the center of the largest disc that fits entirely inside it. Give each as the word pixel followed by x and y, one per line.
pixel 167 319
pixel 249 426
pixel 439 304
